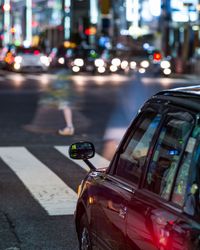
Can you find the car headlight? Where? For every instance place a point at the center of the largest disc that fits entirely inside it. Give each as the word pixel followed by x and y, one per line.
pixel 61 60
pixel 116 62
pixel 144 64
pixel 78 62
pixel 113 68
pixel 165 64
pixel 124 64
pixel 167 71
pixel 133 64
pixel 141 70
pixel 44 60
pixel 17 66
pixel 75 68
pixel 101 69
pixel 18 59
pixel 99 62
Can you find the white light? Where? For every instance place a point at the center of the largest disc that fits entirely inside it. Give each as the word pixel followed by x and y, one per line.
pixel 79 62
pixel 99 62
pixel 195 28
pixel 67 27
pixel 155 7
pixel 116 62
pixel 61 60
pixel 26 43
pixel 44 60
pixel 124 64
pixel 142 70
pixel 167 71
pixel 101 69
pixel 93 11
pixel 29 20
pixel 144 64
pixel 18 59
pixel 75 69
pixel 67 19
pixel 113 68
pixel 146 45
pixel 17 66
pixel 132 11
pixel 165 64
pixel 133 65
pixel 7 23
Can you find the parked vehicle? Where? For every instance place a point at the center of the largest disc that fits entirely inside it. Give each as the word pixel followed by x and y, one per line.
pixel 148 197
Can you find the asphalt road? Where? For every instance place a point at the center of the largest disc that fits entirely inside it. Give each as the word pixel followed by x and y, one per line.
pixel 38 181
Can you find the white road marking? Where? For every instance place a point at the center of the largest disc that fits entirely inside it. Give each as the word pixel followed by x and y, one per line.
pixel 165 81
pixel 98 161
pixel 45 186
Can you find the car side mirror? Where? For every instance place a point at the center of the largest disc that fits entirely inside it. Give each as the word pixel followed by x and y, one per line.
pixel 83 150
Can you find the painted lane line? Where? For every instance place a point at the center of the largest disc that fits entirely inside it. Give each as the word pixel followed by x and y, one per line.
pixel 98 161
pixel 44 185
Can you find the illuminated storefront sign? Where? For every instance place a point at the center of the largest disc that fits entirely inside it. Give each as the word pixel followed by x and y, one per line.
pixel 184 11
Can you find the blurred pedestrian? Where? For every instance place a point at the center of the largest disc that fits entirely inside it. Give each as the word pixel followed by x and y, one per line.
pixel 57 95
pixel 67 113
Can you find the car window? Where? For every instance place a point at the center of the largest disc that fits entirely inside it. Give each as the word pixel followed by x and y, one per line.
pixel 186 190
pixel 167 153
pixel 131 161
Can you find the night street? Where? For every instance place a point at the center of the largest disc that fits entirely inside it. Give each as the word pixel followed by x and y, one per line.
pixel 38 181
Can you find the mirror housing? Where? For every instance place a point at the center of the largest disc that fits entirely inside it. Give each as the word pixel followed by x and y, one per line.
pixel 83 150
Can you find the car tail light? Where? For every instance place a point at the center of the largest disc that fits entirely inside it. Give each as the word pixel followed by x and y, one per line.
pixel 36 52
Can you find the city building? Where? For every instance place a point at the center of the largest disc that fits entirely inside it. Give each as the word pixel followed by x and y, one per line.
pixel 171 26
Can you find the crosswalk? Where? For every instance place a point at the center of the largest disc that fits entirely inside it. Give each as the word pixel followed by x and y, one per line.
pixel 45 186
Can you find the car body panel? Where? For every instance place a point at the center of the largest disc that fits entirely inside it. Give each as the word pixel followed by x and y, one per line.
pixel 148 197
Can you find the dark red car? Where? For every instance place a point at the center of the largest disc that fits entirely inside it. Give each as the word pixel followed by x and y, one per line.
pixel 148 198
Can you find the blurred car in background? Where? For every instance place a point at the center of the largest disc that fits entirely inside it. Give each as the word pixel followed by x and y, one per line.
pixel 22 59
pixel 155 64
pixel 121 61
pixel 59 56
pixel 129 61
pixel 86 60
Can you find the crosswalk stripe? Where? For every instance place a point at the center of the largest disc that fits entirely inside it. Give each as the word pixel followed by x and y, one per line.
pixel 98 161
pixel 44 185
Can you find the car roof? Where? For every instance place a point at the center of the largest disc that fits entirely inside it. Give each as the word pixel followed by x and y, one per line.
pixel 188 97
pixel 182 91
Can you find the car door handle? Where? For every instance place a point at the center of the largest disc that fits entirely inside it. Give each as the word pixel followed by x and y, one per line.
pixel 122 212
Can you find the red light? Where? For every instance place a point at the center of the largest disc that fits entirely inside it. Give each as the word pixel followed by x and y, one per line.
pixel 36 52
pixel 90 31
pixel 157 56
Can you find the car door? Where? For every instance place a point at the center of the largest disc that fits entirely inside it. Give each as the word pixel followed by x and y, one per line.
pixel 185 231
pixel 115 191
pixel 152 203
